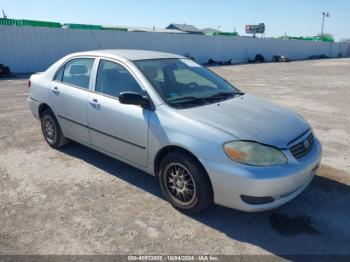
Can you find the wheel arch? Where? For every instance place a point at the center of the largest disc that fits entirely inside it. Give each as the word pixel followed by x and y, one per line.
pixel 173 148
pixel 42 108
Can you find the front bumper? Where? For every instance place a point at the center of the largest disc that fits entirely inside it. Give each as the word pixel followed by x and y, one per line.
pixel 281 183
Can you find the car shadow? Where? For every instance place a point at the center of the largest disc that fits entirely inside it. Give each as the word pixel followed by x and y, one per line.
pixel 317 222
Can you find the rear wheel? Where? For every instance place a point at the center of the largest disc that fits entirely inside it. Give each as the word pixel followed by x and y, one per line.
pixel 51 130
pixel 184 183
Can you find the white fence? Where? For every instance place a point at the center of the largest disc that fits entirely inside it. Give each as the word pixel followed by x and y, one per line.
pixel 32 49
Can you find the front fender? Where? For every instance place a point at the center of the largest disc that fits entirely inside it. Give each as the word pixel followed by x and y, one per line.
pixel 166 128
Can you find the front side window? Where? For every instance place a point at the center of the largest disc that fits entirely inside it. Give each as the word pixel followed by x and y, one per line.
pixel 113 79
pixel 77 72
pixel 184 83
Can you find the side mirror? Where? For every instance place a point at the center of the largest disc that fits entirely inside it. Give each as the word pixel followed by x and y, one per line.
pixel 133 98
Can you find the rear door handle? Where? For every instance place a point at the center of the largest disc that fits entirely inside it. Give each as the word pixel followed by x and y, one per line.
pixel 94 103
pixel 55 90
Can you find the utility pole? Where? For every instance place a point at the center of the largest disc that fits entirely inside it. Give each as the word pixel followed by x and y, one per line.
pixel 324 15
pixel 3 14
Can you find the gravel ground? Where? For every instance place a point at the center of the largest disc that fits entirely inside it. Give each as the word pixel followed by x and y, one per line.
pixel 78 201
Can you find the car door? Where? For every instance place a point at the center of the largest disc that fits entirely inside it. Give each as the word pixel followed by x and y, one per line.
pixel 116 128
pixel 69 96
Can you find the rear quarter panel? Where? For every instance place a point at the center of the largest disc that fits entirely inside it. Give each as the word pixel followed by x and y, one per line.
pixel 41 84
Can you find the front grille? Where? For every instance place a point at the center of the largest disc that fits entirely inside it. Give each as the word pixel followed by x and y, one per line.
pixel 302 148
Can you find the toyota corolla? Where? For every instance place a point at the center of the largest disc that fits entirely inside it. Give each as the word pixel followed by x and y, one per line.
pixel 205 140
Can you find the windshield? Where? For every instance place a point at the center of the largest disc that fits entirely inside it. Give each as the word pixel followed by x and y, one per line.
pixel 184 83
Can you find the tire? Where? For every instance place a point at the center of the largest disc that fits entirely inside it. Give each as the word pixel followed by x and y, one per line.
pixel 51 130
pixel 178 189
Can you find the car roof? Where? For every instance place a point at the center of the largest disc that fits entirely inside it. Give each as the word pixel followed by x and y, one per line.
pixel 130 54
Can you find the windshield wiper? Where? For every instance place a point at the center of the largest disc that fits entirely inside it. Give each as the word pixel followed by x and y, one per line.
pixel 196 98
pixel 224 94
pixel 185 99
pixel 188 100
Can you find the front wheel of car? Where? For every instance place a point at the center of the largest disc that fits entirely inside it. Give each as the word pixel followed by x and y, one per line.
pixel 51 130
pixel 185 183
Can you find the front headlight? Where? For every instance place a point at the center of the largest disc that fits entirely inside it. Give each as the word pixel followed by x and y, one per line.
pixel 252 153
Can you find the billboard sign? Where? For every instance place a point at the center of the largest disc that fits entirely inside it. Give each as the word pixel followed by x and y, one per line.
pixel 255 29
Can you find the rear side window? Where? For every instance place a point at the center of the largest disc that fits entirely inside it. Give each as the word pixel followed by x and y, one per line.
pixel 77 72
pixel 113 79
pixel 59 75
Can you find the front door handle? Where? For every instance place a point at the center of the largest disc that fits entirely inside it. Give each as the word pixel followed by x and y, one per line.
pixel 55 90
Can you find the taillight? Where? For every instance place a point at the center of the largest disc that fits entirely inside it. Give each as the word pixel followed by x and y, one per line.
pixel 29 83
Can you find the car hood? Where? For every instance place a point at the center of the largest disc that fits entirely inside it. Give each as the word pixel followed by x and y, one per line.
pixel 251 118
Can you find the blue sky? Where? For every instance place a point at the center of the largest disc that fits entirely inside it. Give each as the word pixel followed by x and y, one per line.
pixel 295 17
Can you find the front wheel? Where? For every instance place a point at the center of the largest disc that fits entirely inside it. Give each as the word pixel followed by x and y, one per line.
pixel 184 183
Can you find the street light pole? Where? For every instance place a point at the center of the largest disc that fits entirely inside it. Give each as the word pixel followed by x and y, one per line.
pixel 324 15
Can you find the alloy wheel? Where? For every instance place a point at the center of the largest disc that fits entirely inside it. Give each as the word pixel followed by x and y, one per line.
pixel 49 129
pixel 180 184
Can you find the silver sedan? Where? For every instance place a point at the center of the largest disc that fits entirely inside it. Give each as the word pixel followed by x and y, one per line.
pixel 205 140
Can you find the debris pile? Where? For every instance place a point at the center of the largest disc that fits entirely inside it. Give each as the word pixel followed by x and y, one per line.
pixel 280 58
pixel 4 70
